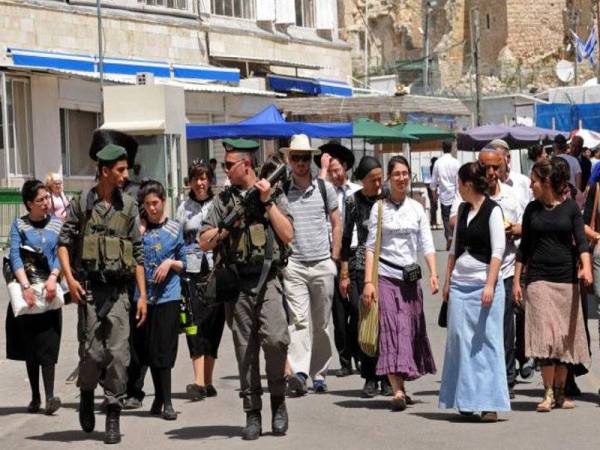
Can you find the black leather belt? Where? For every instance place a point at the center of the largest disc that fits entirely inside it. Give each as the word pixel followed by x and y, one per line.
pixel 390 264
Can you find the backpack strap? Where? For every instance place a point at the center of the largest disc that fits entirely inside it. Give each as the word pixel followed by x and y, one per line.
pixel 323 191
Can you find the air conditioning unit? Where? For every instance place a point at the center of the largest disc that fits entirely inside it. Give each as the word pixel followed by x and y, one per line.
pixel 144 78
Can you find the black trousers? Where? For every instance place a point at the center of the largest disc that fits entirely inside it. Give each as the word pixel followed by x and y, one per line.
pixel 368 364
pixel 136 372
pixel 514 334
pixel 345 326
pixel 446 220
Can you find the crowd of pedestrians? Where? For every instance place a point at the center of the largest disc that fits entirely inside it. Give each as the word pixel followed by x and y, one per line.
pixel 518 272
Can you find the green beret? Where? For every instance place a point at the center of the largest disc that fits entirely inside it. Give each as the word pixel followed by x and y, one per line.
pixel 111 152
pixel 240 144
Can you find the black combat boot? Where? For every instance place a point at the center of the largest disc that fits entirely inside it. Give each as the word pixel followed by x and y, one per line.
pixel 112 433
pixel 86 411
pixel 253 428
pixel 279 421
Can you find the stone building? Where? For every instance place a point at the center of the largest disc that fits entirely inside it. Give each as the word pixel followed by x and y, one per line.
pixel 520 41
pixel 230 56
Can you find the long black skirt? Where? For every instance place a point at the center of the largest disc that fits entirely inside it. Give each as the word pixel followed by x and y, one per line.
pixel 210 320
pixel 156 340
pixel 34 337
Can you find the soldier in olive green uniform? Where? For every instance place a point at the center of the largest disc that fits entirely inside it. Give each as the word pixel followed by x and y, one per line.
pixel 101 252
pixel 257 318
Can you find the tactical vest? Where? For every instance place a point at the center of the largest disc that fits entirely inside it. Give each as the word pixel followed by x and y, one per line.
pixel 254 240
pixel 106 251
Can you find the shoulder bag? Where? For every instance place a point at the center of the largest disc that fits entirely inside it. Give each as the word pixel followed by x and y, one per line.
pixel 368 328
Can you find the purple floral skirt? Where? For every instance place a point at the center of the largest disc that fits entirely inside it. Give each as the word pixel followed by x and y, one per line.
pixel 404 348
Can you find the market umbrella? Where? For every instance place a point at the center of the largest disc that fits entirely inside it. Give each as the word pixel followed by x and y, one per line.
pixel 424 132
pixel 518 136
pixel 377 132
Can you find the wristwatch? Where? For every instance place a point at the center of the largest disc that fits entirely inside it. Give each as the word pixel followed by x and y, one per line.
pixel 25 286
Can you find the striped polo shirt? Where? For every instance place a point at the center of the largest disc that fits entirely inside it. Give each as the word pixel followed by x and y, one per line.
pixel 311 237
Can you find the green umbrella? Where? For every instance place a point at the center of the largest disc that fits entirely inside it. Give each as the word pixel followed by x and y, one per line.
pixel 424 132
pixel 377 132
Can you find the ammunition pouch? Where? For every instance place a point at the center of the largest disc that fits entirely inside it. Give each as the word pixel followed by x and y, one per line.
pixel 222 285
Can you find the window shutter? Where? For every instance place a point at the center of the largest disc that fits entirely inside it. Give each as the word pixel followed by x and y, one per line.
pixel 285 11
pixel 204 6
pixel 265 10
pixel 324 13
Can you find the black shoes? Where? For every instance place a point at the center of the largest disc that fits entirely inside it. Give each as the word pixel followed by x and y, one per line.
pixel 253 428
pixel 369 390
pixel 53 404
pixel 112 433
pixel 197 392
pixel 157 407
pixel 279 422
pixel 34 406
pixel 296 385
pixel 527 369
pixel 343 372
pixel 386 388
pixel 211 391
pixel 86 411
pixel 169 413
pixel 132 403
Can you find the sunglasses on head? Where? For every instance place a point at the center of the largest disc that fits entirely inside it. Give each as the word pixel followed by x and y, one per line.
pixel 300 158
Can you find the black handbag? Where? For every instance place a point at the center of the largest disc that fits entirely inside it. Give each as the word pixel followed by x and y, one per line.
pixel 223 285
pixel 412 273
pixel 443 315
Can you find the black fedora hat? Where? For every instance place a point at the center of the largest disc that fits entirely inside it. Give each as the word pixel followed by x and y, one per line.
pixel 337 151
pixel 101 138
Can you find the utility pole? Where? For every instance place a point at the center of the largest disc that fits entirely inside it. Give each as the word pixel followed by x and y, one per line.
pixel 475 38
pixel 100 57
pixel 367 44
pixel 573 16
pixel 429 5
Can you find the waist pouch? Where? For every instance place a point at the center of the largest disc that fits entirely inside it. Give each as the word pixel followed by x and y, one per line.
pixel 410 273
pixel 223 285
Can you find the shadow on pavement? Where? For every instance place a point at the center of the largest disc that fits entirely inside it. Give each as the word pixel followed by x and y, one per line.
pixel 539 393
pixel 9 410
pixel 68 436
pixel 352 393
pixel 523 406
pixel 426 393
pixel 452 417
pixel 204 432
pixel 366 404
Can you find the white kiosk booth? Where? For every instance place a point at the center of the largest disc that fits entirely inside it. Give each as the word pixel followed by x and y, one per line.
pixel 155 115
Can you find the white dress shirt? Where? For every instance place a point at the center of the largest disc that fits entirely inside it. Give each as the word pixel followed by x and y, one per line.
pixel 512 212
pixel 445 177
pixel 405 231
pixel 521 185
pixel 343 193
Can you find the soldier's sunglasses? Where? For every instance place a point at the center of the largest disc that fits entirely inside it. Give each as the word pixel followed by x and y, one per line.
pixel 228 165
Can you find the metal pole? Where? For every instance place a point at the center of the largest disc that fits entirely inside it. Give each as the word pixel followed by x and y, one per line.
pixel 426 51
pixel 367 44
pixel 100 57
pixel 476 36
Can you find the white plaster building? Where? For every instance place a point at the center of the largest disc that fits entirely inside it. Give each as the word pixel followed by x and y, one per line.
pixel 229 56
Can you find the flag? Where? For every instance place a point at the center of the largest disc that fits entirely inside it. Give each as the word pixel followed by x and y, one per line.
pixel 579 48
pixel 590 47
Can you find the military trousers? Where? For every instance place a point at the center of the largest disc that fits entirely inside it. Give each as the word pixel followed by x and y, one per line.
pixel 259 322
pixel 104 345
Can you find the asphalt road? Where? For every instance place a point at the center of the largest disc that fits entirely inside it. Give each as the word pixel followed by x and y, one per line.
pixel 337 419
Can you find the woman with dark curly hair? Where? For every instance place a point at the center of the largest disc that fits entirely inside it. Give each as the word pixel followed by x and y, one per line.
pixel 474 377
pixel 552 245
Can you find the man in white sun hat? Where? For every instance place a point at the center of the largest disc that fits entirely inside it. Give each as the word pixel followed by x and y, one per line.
pixel 309 275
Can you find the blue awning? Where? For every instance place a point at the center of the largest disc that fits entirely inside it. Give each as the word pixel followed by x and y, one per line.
pixel 309 86
pixel 267 124
pixel 120 66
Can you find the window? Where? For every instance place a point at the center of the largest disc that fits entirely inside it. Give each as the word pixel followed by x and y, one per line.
pixel 76 128
pixel 244 9
pixel 172 4
pixel 17 125
pixel 305 13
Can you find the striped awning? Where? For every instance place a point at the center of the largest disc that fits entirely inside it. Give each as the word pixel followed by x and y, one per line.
pixel 120 66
